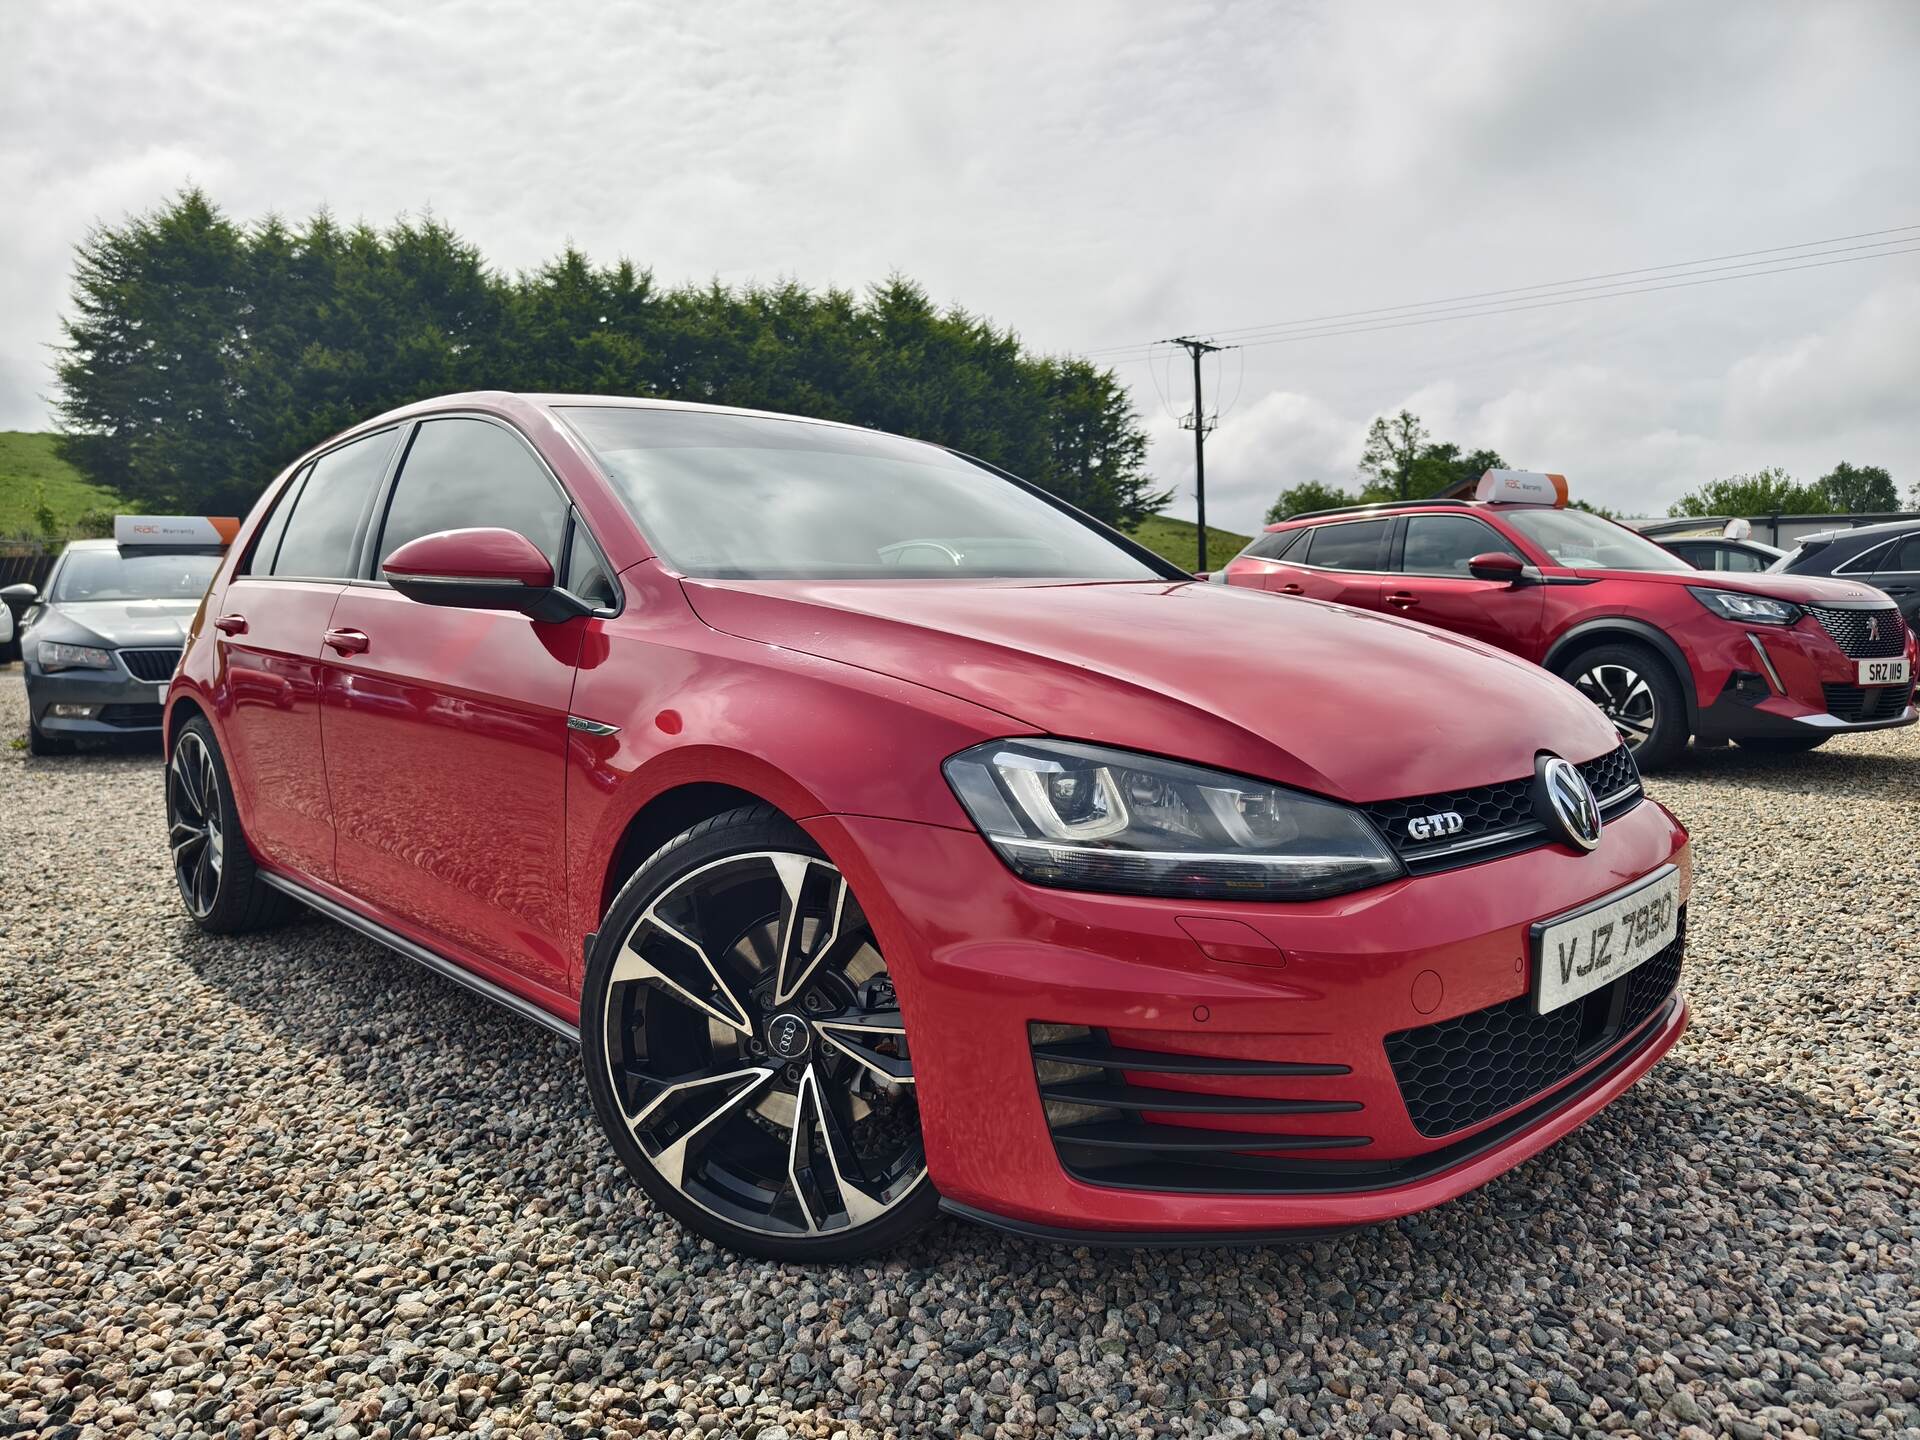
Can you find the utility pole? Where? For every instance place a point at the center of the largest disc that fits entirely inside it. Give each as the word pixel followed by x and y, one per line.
pixel 1200 425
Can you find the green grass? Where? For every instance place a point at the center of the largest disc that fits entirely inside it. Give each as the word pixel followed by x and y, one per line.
pixel 1176 541
pixel 26 461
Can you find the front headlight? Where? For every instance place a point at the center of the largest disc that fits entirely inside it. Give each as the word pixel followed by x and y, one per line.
pixel 1746 609
pixel 56 656
pixel 1084 817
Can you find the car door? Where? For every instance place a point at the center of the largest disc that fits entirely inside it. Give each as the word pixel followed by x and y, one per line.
pixel 446 727
pixel 1343 561
pixel 1431 583
pixel 267 643
pixel 1898 573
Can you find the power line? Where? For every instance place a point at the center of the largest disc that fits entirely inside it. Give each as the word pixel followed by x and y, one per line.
pixel 1543 304
pixel 1651 271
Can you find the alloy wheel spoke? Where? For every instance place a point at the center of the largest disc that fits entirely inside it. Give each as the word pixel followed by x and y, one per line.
pixel 813 890
pixel 859 1037
pixel 719 1001
pixel 820 1160
pixel 699 1106
pixel 183 838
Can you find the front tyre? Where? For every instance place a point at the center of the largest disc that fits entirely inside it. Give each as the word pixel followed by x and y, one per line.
pixel 744 1048
pixel 1637 691
pixel 212 866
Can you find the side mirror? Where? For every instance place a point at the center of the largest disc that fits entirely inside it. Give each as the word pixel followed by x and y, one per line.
pixel 481 569
pixel 26 592
pixel 1498 565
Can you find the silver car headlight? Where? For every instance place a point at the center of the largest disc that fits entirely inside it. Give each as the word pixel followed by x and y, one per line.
pixel 56 656
pixel 1083 817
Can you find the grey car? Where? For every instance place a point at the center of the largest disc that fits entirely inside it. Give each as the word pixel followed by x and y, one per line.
pixel 100 645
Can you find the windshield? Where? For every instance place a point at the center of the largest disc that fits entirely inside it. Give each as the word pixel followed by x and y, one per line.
pixel 1581 541
pixel 116 575
pixel 745 497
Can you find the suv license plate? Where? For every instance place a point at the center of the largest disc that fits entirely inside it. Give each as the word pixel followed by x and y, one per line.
pixel 1884 672
pixel 1594 946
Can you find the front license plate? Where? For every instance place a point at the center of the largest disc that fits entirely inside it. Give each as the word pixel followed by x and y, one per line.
pixel 1884 672
pixel 1594 946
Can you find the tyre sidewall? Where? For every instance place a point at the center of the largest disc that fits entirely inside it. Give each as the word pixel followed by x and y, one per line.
pixel 1670 731
pixel 736 833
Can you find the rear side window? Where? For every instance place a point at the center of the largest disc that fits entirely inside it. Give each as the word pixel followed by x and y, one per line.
pixel 1444 544
pixel 1731 559
pixel 268 545
pixel 1356 545
pixel 1904 558
pixel 326 514
pixel 460 473
pixel 1274 544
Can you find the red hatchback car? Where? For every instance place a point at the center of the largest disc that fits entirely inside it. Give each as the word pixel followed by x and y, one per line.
pixel 891 835
pixel 1773 662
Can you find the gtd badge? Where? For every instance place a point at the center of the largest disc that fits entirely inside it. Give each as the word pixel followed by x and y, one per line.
pixel 1563 800
pixel 1435 826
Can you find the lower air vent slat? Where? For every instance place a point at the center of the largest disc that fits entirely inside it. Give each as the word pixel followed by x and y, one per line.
pixel 1161 1139
pixel 1106 1057
pixel 1192 1102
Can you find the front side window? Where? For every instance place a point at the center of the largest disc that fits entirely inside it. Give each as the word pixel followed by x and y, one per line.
pixel 132 575
pixel 747 497
pixel 1580 541
pixel 1356 545
pixel 461 473
pixel 318 542
pixel 1446 544
pixel 587 575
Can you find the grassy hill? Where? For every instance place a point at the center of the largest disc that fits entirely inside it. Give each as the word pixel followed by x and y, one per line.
pixel 1176 541
pixel 27 461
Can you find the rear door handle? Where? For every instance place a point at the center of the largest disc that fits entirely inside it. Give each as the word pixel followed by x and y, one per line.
pixel 348 642
pixel 231 624
pixel 1401 600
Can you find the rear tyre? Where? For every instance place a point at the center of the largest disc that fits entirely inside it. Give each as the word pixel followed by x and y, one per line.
pixel 212 865
pixel 1781 744
pixel 744 1048
pixel 1636 690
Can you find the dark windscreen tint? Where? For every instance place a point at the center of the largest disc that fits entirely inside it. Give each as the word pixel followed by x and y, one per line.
pixel 1580 541
pixel 1446 544
pixel 460 473
pixel 750 498
pixel 1355 545
pixel 133 575
pixel 326 514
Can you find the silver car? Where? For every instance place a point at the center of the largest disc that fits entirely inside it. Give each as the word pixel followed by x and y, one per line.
pixel 101 644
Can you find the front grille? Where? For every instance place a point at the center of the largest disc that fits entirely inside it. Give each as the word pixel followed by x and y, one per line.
pixel 150 664
pixel 1161 1120
pixel 1498 819
pixel 130 717
pixel 1864 634
pixel 1470 1068
pixel 1863 704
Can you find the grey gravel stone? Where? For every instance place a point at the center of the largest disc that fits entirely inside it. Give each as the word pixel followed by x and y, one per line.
pixel 291 1185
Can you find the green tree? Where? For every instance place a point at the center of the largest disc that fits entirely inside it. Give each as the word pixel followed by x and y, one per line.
pixel 1859 489
pixel 1393 446
pixel 1441 466
pixel 1771 491
pixel 1310 495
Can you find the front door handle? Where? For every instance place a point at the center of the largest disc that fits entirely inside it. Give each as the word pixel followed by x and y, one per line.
pixel 231 624
pixel 1292 589
pixel 1401 600
pixel 348 642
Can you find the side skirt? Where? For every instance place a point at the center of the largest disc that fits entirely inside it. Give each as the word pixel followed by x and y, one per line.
pixel 420 955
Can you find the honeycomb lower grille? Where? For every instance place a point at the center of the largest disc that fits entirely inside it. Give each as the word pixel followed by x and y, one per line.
pixel 1859 704
pixel 1865 634
pixel 1470 1068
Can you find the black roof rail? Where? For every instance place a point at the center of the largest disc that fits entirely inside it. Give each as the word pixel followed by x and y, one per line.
pixel 1379 506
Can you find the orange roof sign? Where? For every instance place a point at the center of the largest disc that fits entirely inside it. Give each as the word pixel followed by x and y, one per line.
pixel 175 529
pixel 1522 487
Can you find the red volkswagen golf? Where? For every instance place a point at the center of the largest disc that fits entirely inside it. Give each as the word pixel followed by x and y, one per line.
pixel 891 835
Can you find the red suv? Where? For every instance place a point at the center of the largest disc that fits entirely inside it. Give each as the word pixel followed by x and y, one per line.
pixel 890 835
pixel 1774 662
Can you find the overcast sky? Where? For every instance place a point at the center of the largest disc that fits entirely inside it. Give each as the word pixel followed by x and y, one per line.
pixel 1093 175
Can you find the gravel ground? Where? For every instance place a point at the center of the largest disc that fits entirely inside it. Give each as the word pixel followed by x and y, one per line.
pixel 292 1185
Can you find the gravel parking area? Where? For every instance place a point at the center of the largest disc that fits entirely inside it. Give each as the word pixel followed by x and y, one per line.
pixel 290 1184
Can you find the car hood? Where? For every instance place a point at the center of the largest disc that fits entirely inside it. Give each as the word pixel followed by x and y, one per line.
pixel 1330 699
pixel 116 623
pixel 1801 589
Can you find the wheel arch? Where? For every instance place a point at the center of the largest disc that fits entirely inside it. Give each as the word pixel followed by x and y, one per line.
pixel 182 710
pixel 1611 628
pixel 660 818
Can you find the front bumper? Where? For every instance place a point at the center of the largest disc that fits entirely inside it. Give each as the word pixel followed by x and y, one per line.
pixel 1311 992
pixel 1793 680
pixel 119 704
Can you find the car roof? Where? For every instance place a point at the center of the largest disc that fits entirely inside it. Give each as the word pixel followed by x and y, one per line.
pixel 1382 508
